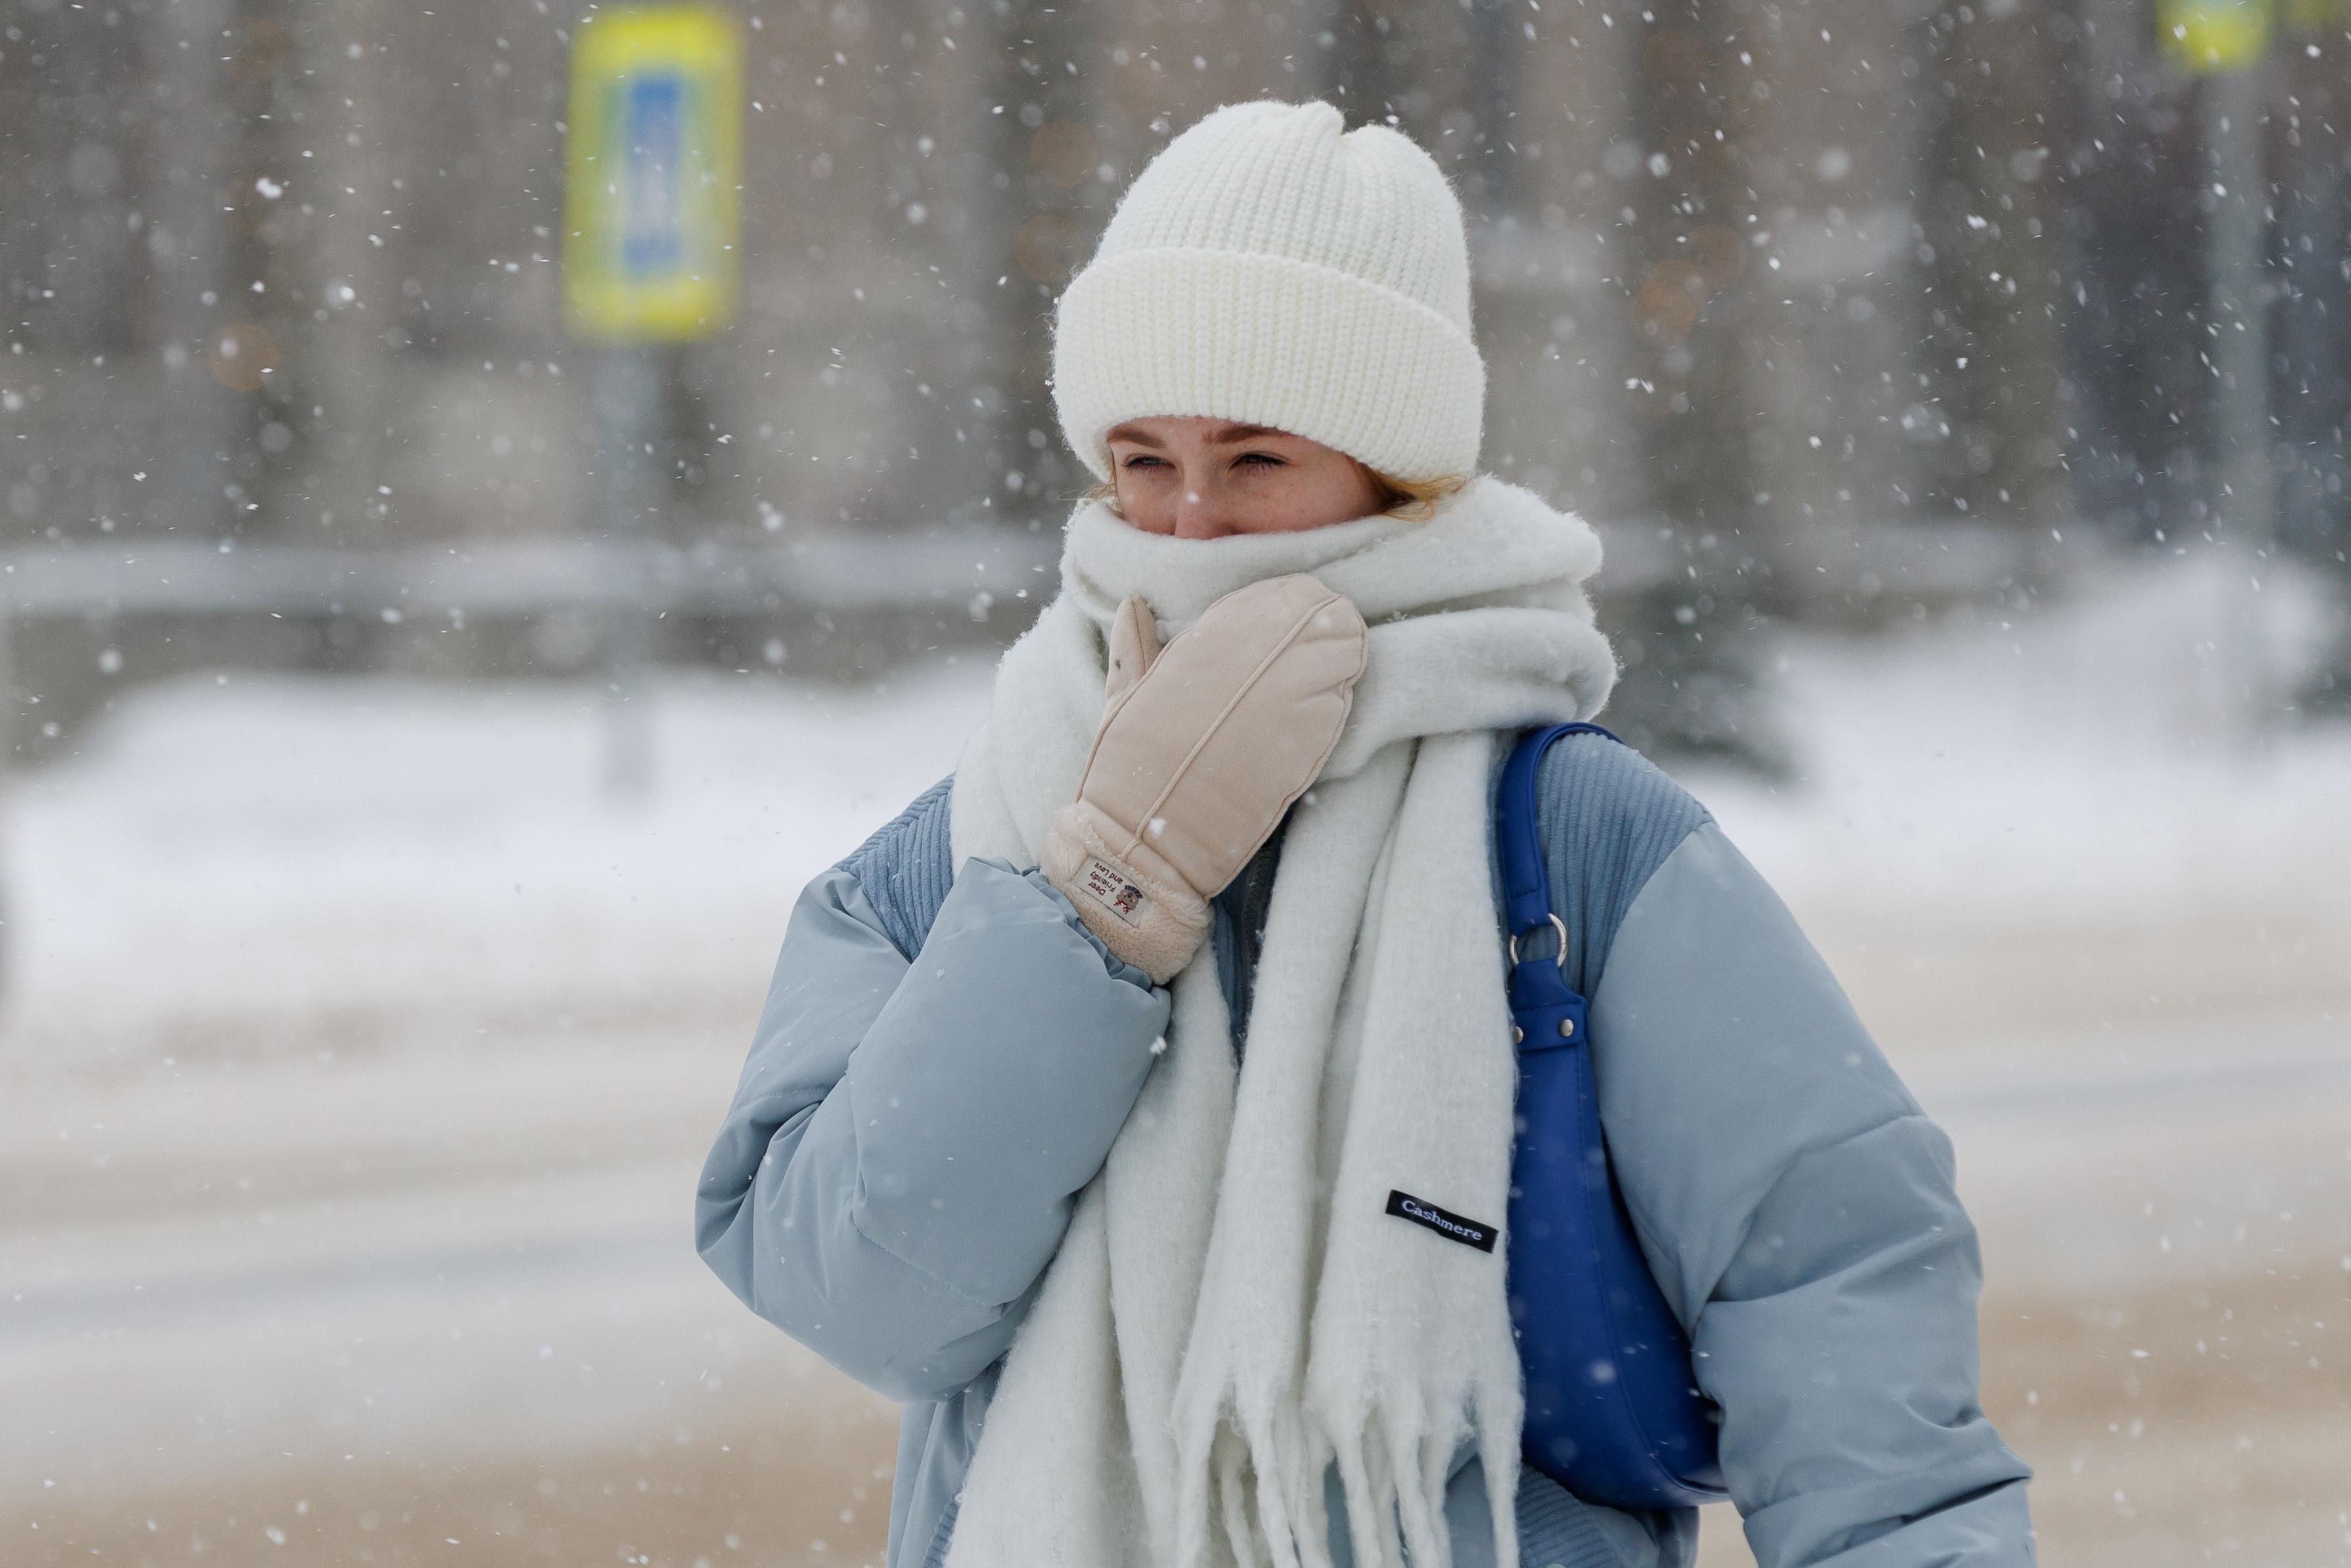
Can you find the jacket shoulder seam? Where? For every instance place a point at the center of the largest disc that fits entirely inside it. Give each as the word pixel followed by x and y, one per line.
pixel 1787 1167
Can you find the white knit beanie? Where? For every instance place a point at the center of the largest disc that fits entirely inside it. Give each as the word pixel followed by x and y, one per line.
pixel 1271 267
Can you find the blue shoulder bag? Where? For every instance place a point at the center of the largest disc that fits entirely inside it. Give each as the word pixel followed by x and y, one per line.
pixel 1613 1410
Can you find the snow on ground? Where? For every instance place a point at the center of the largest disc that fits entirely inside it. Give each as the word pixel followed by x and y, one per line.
pixel 231 864
pixel 2081 764
pixel 2003 828
pixel 359 1051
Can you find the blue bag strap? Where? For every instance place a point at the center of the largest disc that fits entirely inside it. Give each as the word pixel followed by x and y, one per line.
pixel 1517 837
pixel 1642 1436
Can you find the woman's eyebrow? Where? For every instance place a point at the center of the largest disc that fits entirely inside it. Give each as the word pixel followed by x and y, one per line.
pixel 1231 432
pixel 1140 438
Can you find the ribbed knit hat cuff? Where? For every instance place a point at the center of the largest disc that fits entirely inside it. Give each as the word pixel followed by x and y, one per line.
pixel 1268 340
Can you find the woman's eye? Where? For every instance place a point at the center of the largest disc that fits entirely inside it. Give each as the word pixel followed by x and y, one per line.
pixel 1140 460
pixel 1265 458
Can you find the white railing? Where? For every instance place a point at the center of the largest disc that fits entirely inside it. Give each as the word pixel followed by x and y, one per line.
pixel 494 579
pixel 845 573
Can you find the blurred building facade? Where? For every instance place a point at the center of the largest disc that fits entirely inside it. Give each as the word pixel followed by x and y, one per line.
pixel 1762 286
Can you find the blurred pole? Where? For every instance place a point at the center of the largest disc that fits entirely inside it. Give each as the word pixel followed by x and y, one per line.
pixel 628 413
pixel 339 392
pixel 1989 299
pixel 193 135
pixel 2313 393
pixel 2309 393
pixel 653 172
pixel 2237 237
pixel 1706 333
pixel 1040 145
pixel 1358 69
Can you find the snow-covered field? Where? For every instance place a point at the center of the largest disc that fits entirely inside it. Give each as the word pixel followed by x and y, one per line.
pixel 359 1051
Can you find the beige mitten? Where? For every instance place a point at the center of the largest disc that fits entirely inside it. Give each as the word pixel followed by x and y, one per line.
pixel 1202 749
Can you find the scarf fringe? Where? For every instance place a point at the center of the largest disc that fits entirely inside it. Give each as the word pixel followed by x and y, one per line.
pixel 1264 1488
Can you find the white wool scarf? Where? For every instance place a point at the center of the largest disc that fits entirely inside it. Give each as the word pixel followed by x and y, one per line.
pixel 1233 1312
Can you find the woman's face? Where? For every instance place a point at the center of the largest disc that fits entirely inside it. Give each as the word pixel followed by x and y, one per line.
pixel 1206 478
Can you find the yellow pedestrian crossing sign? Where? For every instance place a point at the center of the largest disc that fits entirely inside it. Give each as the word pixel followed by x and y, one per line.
pixel 653 200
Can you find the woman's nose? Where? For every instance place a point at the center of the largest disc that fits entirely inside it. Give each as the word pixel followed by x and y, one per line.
pixel 1200 513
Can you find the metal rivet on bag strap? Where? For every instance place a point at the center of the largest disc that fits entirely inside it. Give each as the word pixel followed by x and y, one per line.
pixel 1518 1035
pixel 1567 1028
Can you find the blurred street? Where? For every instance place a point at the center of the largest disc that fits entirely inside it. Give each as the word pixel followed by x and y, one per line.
pixel 345 1206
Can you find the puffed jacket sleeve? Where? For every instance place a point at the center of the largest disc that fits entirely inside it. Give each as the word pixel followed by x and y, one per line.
pixel 909 1133
pixel 1799 1210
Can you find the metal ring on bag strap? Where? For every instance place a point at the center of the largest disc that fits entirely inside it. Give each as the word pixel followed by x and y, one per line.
pixel 1557 925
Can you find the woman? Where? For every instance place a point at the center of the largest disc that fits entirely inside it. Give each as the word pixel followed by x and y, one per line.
pixel 1082 1086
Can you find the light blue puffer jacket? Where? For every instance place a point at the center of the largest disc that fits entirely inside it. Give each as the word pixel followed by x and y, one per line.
pixel 944 1058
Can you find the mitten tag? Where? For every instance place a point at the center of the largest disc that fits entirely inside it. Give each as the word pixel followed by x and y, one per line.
pixel 1108 886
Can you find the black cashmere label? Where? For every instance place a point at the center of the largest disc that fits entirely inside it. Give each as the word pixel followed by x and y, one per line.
pixel 1468 1232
